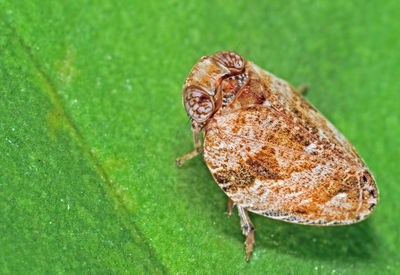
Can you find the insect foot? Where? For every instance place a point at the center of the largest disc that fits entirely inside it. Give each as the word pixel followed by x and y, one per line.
pixel 230 207
pixel 248 231
pixel 270 151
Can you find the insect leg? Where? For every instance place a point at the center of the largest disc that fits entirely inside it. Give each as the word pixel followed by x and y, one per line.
pixel 302 89
pixel 247 229
pixel 230 207
pixel 197 145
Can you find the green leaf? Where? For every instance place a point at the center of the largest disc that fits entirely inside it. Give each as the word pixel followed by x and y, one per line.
pixel 91 122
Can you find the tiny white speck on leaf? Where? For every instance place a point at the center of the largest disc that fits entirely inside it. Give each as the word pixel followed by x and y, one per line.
pixel 128 85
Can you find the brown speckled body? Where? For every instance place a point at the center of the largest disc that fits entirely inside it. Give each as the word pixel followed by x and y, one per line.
pixel 270 151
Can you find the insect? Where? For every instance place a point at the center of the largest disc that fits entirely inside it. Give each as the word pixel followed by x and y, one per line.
pixel 270 151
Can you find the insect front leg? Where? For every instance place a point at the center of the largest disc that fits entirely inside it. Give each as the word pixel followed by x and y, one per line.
pixel 247 229
pixel 197 145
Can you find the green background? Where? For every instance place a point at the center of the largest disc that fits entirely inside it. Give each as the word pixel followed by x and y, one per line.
pixel 91 122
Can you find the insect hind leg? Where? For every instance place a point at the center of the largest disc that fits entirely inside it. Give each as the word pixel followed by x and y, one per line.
pixel 302 89
pixel 247 229
pixel 230 207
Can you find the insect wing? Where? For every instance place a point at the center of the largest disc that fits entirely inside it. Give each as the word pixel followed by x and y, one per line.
pixel 274 154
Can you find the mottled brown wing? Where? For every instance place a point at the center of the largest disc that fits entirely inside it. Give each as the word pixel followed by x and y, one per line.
pixel 274 154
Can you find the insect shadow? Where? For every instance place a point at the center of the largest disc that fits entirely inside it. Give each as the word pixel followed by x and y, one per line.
pixel 353 243
pixel 338 243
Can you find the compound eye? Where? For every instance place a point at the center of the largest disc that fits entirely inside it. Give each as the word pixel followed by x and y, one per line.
pixel 198 104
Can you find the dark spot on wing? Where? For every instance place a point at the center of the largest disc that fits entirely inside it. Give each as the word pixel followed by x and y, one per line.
pixel 372 206
pixel 231 180
pixel 222 178
pixel 260 99
pixel 226 180
pixel 372 193
pixel 261 170
pixel 244 178
pixel 230 188
pixel 300 139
